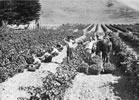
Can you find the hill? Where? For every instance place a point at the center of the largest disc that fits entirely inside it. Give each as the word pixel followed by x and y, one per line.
pixel 86 11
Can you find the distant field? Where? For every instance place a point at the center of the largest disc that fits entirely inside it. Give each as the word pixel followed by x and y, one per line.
pixel 86 11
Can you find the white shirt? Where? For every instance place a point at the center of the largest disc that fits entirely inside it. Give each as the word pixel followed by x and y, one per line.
pixel 47 54
pixel 71 44
pixel 55 50
pixel 90 45
pixel 37 60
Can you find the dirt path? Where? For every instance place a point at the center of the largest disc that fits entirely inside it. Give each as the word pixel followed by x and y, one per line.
pixel 99 87
pixel 10 88
pixel 92 88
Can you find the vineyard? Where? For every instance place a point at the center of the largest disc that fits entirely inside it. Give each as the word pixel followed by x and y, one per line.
pixel 17 45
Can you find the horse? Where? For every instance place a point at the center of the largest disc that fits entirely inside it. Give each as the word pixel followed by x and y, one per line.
pixel 104 48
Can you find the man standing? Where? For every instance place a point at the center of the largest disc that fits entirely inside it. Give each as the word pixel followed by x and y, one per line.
pixel 90 47
pixel 37 23
pixel 70 46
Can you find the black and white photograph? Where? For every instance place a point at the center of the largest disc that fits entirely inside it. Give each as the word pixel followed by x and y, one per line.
pixel 69 49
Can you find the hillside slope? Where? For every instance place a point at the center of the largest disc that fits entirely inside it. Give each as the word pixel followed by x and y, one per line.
pixel 86 11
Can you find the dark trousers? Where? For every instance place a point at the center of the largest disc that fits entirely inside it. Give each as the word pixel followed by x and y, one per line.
pixel 69 53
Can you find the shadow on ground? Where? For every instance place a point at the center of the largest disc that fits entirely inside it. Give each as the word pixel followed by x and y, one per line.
pixel 123 89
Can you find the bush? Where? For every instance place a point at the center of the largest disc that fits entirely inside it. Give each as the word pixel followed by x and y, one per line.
pixel 109 68
pixel 96 60
pixel 83 68
pixel 133 39
pixel 3 74
pixel 54 85
pixel 94 69
pixel 128 61
pixel 123 56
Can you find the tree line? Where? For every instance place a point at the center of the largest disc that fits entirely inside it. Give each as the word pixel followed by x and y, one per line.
pixel 19 11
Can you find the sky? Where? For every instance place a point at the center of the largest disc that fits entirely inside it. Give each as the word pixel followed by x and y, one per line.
pixel 131 3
